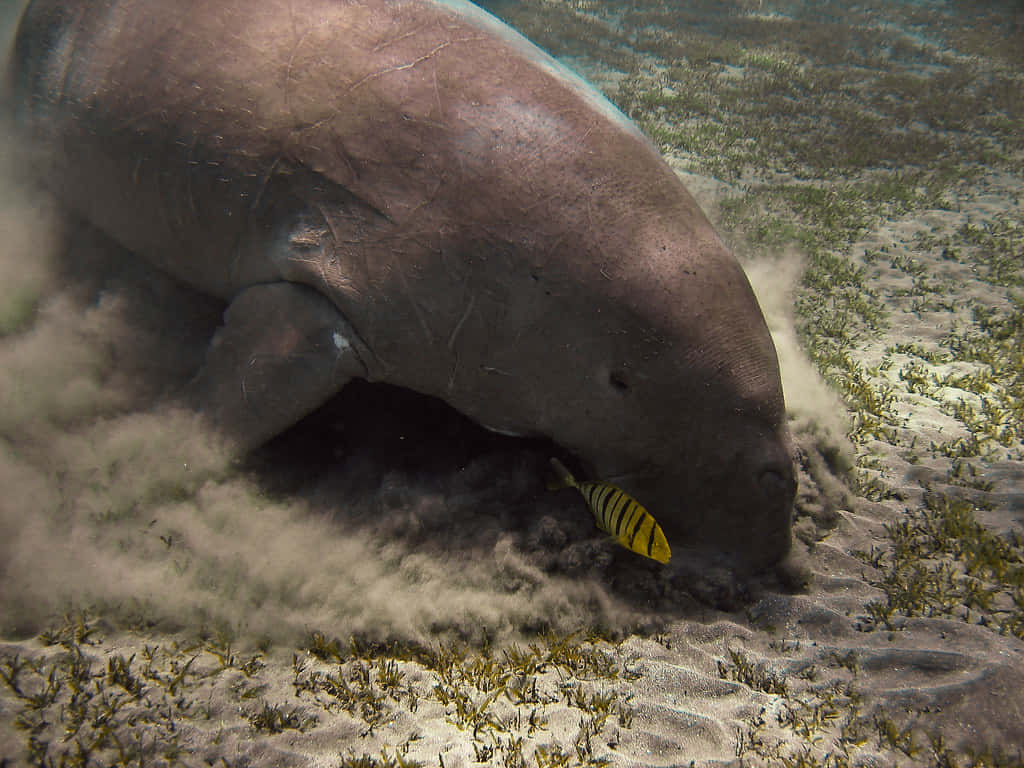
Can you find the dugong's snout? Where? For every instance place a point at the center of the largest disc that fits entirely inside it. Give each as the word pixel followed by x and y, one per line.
pixel 750 519
pixel 761 533
pixel 778 489
pixel 720 498
pixel 748 523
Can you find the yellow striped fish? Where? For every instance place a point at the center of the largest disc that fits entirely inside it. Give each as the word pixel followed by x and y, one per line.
pixel 619 514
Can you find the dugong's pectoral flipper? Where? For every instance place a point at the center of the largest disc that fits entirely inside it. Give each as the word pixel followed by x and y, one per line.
pixel 283 350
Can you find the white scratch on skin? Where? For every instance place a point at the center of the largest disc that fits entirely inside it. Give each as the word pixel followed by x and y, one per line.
pixel 267 176
pixel 505 432
pixel 462 322
pixel 381 46
pixel 191 162
pixel 400 67
pixel 288 72
pixel 437 97
pixel 413 303
pixel 245 391
pixel 454 373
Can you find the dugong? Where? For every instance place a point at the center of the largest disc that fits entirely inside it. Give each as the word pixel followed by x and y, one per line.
pixel 408 191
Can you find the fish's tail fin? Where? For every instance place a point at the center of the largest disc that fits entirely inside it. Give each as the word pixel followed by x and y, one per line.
pixel 563 477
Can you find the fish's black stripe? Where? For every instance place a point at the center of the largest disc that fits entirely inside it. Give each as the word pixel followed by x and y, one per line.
pixel 634 511
pixel 621 503
pixel 601 504
pixel 616 501
pixel 646 529
pixel 596 497
pixel 650 539
pixel 636 527
pixel 620 515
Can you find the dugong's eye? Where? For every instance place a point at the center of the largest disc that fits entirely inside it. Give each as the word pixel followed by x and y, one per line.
pixel 618 381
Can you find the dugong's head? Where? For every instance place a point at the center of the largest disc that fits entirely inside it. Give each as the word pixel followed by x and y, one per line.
pixel 664 380
pixel 694 425
pixel 692 418
pixel 636 342
pixel 639 347
pixel 682 406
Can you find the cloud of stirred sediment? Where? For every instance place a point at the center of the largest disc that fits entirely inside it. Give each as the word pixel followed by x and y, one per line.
pixel 808 397
pixel 114 500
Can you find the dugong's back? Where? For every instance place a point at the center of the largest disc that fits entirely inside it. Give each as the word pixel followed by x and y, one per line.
pixel 408 191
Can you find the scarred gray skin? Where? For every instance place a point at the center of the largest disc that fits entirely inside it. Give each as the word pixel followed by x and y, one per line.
pixel 408 191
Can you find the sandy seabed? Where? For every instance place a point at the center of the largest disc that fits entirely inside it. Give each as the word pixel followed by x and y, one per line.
pixel 163 604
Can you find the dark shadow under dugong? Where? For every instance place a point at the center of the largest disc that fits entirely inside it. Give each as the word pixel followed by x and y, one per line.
pixel 408 191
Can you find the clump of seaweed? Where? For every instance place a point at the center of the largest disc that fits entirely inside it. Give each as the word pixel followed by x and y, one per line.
pixel 78 706
pixel 503 703
pixel 944 562
pixel 756 676
pixel 398 760
pixel 278 718
pixel 815 716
